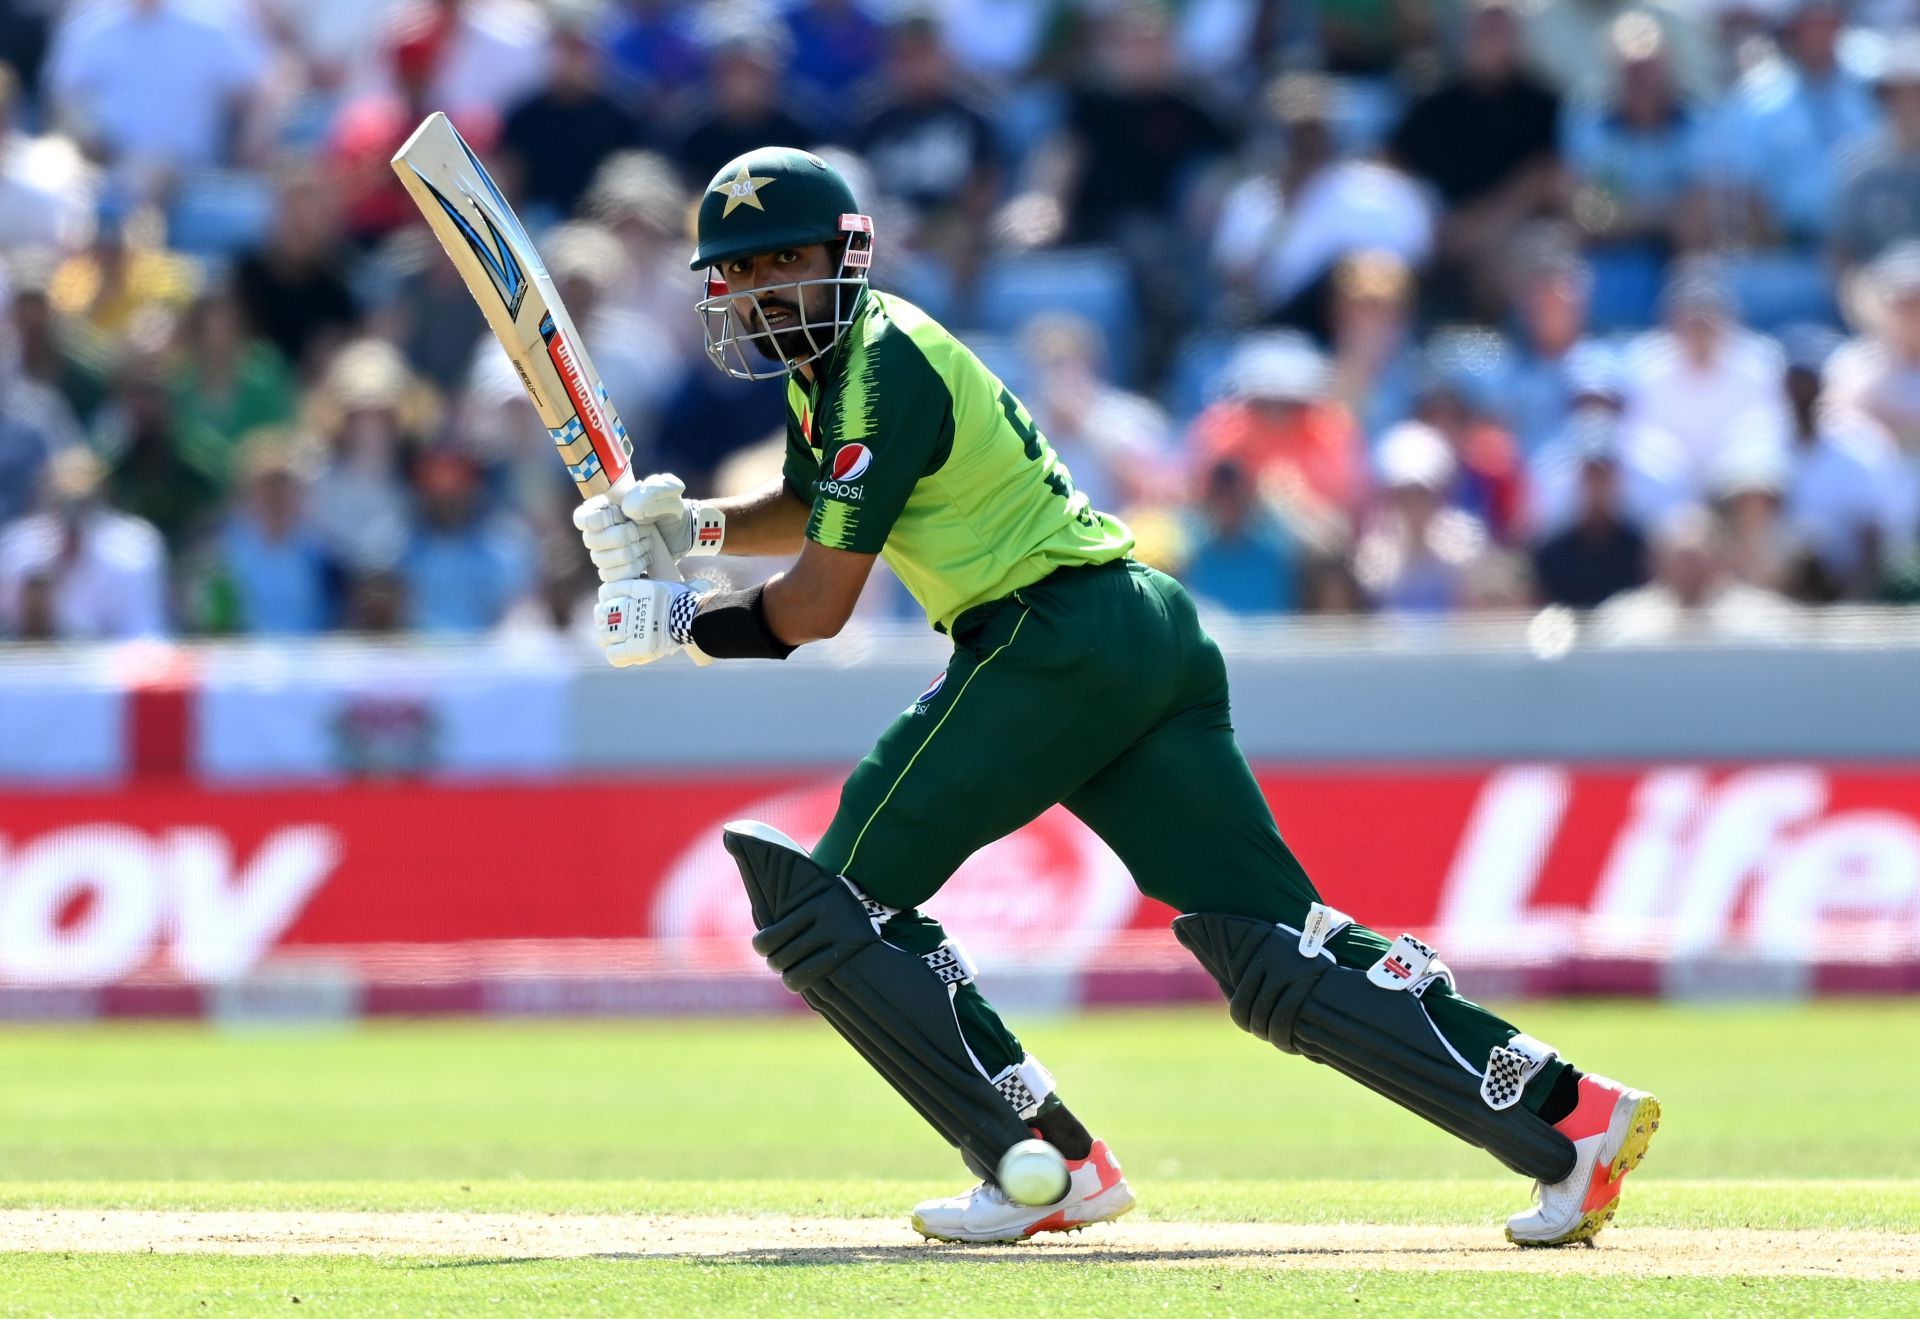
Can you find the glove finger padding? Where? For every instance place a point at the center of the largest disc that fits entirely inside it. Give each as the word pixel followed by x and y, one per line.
pixel 612 536
pixel 622 564
pixel 659 496
pixel 596 515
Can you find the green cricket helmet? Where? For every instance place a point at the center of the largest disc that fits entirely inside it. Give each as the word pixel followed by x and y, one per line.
pixel 766 200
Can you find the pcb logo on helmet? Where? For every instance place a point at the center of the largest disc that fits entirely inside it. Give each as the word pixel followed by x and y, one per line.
pixel 850 463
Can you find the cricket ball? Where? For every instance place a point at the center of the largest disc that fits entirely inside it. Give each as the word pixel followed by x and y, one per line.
pixel 1032 1173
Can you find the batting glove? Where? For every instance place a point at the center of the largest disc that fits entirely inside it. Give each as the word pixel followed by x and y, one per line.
pixel 639 620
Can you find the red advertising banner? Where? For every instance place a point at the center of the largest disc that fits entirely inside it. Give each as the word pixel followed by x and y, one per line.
pixel 1543 866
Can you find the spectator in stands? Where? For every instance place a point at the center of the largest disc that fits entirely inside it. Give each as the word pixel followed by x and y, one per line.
pixel 162 467
pixel 1638 159
pixel 1460 380
pixel 1285 226
pixel 35 425
pixel 1850 500
pixel 1748 483
pixel 1800 106
pixel 265 571
pixel 47 189
pixel 78 570
pixel 156 88
pixel 294 289
pixel 1240 557
pixel 1879 203
pixel 1690 377
pixel 1563 36
pixel 930 147
pixel 1879 373
pixel 742 106
pixel 425 308
pixel 995 40
pixel 1328 586
pixel 837 46
pixel 371 417
pixel 1487 141
pixel 638 198
pixel 126 269
pixel 1653 471
pixel 483 55
pixel 1552 289
pixel 1277 424
pixel 1602 552
pixel 1375 365
pixel 1118 445
pixel 463 567
pixel 1418 550
pixel 225 380
pixel 555 140
pixel 59 353
pixel 1692 597
pixel 655 50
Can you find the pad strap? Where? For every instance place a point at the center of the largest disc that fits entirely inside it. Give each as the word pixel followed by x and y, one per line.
pixel 1510 1066
pixel 1409 965
pixel 951 964
pixel 1026 1086
pixel 1322 923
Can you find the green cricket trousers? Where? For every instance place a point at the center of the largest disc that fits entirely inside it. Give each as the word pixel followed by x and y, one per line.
pixel 1095 688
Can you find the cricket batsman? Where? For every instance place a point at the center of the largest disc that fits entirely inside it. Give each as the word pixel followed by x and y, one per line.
pixel 1079 676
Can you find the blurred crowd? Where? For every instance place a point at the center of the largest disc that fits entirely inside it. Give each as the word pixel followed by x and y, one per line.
pixel 1346 306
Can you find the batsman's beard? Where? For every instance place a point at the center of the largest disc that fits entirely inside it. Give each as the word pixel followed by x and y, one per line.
pixel 786 345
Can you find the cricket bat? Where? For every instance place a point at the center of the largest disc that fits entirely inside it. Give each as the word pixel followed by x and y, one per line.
pixel 490 248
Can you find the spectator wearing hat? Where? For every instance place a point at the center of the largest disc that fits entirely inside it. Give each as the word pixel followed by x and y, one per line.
pixel 1849 499
pixel 1748 484
pixel 1285 226
pixel 1240 556
pixel 555 139
pixel 265 571
pixel 1418 551
pixel 1602 551
pixel 1278 425
pixel 1461 378
pixel 1693 596
pixel 1687 378
pixel 371 417
pixel 463 567
pixel 1487 141
pixel 78 570
pixel 1879 203
pixel 1800 106
pixel 1652 469
pixel 1879 373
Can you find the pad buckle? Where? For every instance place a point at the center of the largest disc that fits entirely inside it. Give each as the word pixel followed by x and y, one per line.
pixel 950 964
pixel 1322 923
pixel 1409 964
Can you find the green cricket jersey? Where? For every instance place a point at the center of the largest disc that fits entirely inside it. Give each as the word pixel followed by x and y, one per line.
pixel 909 448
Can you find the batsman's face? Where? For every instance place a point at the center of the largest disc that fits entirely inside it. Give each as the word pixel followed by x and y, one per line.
pixel 764 298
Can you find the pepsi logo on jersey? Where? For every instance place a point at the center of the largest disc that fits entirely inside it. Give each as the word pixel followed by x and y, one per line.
pixel 851 461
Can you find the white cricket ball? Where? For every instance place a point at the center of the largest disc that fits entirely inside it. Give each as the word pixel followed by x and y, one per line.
pixel 1032 1173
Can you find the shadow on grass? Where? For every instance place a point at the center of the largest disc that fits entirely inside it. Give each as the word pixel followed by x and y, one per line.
pixel 812 1256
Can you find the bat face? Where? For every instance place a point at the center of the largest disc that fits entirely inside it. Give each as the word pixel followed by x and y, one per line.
pixel 470 216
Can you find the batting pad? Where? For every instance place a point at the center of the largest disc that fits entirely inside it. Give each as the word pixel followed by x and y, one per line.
pixel 886 1002
pixel 1381 1038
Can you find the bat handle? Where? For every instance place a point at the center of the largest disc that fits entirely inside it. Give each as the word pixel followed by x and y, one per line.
pixel 657 552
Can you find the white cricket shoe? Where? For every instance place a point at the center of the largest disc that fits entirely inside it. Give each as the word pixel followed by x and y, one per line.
pixel 1610 1128
pixel 1096 1193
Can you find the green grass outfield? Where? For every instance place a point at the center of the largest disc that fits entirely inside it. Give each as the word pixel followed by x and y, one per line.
pixel 1778 1120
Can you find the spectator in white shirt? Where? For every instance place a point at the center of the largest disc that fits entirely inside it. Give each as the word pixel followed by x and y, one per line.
pixel 1879 373
pixel 79 570
pixel 1118 446
pixel 1850 500
pixel 1692 596
pixel 485 54
pixel 157 88
pixel 1698 371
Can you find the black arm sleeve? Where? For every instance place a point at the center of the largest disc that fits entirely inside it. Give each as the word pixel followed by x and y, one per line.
pixel 733 625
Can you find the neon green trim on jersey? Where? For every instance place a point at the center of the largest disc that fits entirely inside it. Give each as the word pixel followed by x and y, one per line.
pixel 928 739
pixel 856 391
pixel 837 524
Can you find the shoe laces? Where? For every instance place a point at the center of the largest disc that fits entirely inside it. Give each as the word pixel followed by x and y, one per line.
pixel 993 1192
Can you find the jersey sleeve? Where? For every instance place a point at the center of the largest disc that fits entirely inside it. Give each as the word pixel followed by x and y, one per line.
pixel 891 425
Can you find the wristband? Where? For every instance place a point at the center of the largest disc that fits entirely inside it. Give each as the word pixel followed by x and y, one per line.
pixel 733 625
pixel 706 529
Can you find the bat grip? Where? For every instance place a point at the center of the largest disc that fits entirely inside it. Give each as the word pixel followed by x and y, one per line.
pixel 669 571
